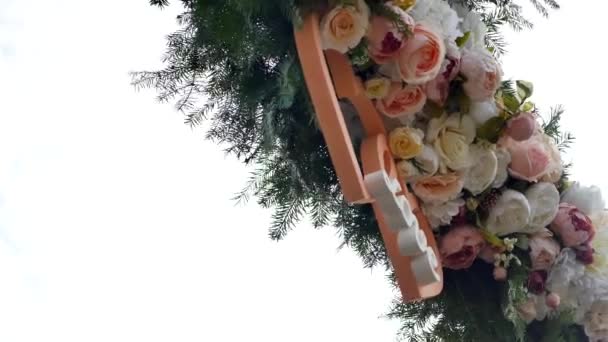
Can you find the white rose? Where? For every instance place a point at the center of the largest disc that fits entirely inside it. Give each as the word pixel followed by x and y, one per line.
pixel 587 199
pixel 441 213
pixel 344 26
pixel 511 214
pixel 544 204
pixel 451 136
pixel 482 72
pixel 596 321
pixel 482 172
pixel 482 111
pixel 502 171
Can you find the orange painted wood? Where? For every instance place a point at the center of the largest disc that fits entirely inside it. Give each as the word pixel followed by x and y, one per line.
pixel 322 93
pixel 375 153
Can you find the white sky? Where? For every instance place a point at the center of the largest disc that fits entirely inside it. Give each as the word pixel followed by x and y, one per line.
pixel 116 222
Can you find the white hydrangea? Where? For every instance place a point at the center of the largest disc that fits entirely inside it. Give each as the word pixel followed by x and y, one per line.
pixel 439 15
pixel 441 213
pixel 471 22
pixel 587 199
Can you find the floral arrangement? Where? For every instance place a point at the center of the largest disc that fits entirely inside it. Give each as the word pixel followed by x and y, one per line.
pixel 475 151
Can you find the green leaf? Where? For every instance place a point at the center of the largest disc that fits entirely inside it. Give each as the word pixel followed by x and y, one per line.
pixel 491 129
pixel 460 41
pixel 524 89
pixel 527 107
pixel 511 102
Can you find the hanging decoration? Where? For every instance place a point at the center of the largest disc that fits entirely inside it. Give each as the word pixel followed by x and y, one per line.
pixel 485 234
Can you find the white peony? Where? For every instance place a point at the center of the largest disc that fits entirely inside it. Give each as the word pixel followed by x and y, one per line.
pixel 482 72
pixel 544 204
pixel 439 15
pixel 511 214
pixel 587 199
pixel 482 111
pixel 451 136
pixel 502 171
pixel 482 172
pixel 344 26
pixel 441 213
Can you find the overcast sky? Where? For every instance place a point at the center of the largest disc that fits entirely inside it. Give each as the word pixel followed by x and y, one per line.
pixel 116 222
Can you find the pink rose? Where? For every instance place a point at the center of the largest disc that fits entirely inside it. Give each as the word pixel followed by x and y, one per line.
pixel 522 127
pixel 460 246
pixel 483 74
pixel 572 226
pixel 543 251
pixel 437 89
pixel 530 159
pixel 402 101
pixel 384 37
pixel 421 57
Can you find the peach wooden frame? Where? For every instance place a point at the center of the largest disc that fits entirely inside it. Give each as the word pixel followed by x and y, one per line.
pixel 375 153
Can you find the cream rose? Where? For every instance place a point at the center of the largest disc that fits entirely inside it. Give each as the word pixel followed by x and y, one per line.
pixel 428 161
pixel 377 88
pixel 438 188
pixel 421 57
pixel 482 172
pixel 482 72
pixel 406 142
pixel 544 204
pixel 402 101
pixel 502 170
pixel 344 26
pixel 451 136
pixel 511 214
pixel 407 171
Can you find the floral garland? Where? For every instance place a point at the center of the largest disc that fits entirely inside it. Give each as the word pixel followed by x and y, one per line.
pixel 473 149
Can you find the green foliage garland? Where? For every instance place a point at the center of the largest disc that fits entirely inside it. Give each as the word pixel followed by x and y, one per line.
pixel 234 64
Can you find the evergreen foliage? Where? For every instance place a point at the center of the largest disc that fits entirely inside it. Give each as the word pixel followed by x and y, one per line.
pixel 234 64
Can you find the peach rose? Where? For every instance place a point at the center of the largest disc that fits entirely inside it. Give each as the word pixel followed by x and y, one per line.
pixel 572 226
pixel 437 89
pixel 421 57
pixel 460 246
pixel 439 188
pixel 402 101
pixel 344 26
pixel 483 74
pixel 384 37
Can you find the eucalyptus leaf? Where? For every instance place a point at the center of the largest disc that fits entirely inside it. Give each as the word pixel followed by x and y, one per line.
pixel 511 102
pixel 524 89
